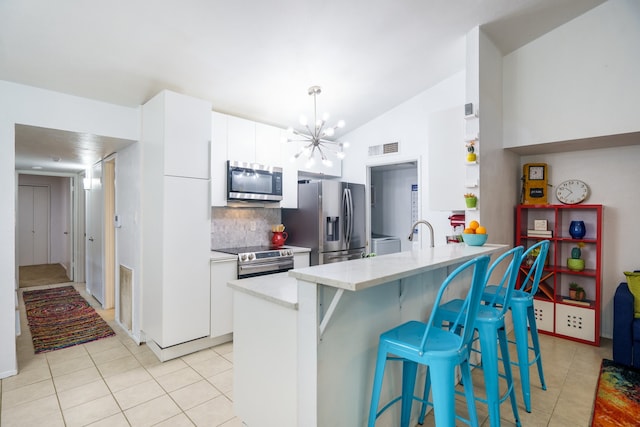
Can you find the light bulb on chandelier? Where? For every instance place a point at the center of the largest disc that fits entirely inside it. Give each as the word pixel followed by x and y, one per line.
pixel 315 139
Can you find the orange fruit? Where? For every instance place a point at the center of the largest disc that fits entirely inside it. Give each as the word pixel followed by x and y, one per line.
pixel 481 230
pixel 474 224
pixel 469 231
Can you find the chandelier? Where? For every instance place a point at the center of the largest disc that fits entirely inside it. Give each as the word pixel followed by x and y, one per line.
pixel 315 141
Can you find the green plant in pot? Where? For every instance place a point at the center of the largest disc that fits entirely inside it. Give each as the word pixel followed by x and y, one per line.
pixel 470 199
pixel 576 292
pixel 573 286
pixel 575 263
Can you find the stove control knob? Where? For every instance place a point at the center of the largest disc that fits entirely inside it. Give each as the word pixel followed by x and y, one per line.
pixel 243 257
pixel 289 252
pixel 251 256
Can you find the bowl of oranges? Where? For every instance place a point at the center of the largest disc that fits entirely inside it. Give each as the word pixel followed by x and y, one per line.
pixel 475 234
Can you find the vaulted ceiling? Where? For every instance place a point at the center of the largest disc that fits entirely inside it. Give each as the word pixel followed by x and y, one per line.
pixel 257 58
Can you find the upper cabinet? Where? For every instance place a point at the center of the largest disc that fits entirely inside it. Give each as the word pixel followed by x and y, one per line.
pixel 219 156
pixel 185 133
pixel 241 139
pixel 268 147
pixel 238 139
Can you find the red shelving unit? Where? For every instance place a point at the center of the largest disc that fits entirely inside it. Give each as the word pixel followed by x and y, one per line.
pixel 556 313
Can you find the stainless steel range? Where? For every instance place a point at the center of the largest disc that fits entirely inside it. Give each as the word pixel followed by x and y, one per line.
pixel 260 260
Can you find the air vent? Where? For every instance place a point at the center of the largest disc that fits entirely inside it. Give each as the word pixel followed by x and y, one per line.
pixel 380 150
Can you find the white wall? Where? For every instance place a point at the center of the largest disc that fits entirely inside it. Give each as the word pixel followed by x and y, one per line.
pixel 408 124
pixel 128 238
pixel 37 107
pixel 499 168
pixel 580 80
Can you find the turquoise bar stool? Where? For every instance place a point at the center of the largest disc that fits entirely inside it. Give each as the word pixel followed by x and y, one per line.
pixel 491 331
pixel 523 315
pixel 441 350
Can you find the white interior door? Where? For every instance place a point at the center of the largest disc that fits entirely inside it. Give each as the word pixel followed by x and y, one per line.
pixel 33 225
pixel 94 276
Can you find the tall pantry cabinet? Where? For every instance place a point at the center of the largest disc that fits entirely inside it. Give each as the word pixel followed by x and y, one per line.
pixel 176 219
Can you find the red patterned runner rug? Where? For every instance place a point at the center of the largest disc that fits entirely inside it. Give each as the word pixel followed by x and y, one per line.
pixel 60 318
pixel 617 396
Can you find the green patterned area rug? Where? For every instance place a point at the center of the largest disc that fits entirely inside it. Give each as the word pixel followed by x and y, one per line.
pixel 60 318
pixel 617 396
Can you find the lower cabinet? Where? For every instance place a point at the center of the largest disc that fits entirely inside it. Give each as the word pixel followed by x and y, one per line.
pixel 222 272
pixel 566 320
pixel 222 296
pixel 301 259
pixel 543 311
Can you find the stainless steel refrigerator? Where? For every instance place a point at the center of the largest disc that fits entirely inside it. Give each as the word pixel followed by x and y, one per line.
pixel 330 220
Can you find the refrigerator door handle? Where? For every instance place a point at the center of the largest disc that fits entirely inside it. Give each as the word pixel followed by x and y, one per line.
pixel 347 204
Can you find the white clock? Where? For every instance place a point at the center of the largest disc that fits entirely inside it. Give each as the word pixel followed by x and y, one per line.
pixel 572 191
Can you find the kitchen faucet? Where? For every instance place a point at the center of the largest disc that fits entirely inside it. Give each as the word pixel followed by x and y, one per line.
pixel 422 221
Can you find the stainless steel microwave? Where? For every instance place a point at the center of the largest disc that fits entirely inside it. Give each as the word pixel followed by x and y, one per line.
pixel 253 182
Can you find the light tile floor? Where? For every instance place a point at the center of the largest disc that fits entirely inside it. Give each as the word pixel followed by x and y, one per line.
pixel 114 382
pixel 571 373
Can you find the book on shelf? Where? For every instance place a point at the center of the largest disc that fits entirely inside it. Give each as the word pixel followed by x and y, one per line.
pixel 568 300
pixel 539 233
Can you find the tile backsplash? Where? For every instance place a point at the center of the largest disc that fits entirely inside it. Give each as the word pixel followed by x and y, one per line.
pixel 237 227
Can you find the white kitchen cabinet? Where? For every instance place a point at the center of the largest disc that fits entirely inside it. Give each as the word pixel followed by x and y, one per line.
pixel 300 259
pixel 176 222
pixel 268 147
pixel 219 158
pixel 222 271
pixel 187 131
pixel 233 138
pixel 289 185
pixel 241 139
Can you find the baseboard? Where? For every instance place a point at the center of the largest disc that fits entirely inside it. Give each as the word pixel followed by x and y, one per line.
pixel 179 350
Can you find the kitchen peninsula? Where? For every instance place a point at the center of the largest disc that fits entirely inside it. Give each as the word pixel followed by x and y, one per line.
pixel 305 341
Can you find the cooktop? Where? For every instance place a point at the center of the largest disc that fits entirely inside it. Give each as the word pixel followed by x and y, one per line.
pixel 246 249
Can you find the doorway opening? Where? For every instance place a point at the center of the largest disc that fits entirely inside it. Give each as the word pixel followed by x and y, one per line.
pixel 44 233
pixel 394 203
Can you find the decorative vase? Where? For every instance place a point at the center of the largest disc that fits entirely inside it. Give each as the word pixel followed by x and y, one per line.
pixel 576 253
pixel 471 201
pixel 278 238
pixel 471 157
pixel 577 229
pixel 574 264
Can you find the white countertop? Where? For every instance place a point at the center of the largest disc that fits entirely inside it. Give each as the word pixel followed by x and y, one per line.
pixel 279 288
pixel 354 275
pixel 363 273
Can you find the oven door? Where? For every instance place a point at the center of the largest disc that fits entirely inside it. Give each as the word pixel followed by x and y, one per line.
pixel 266 267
